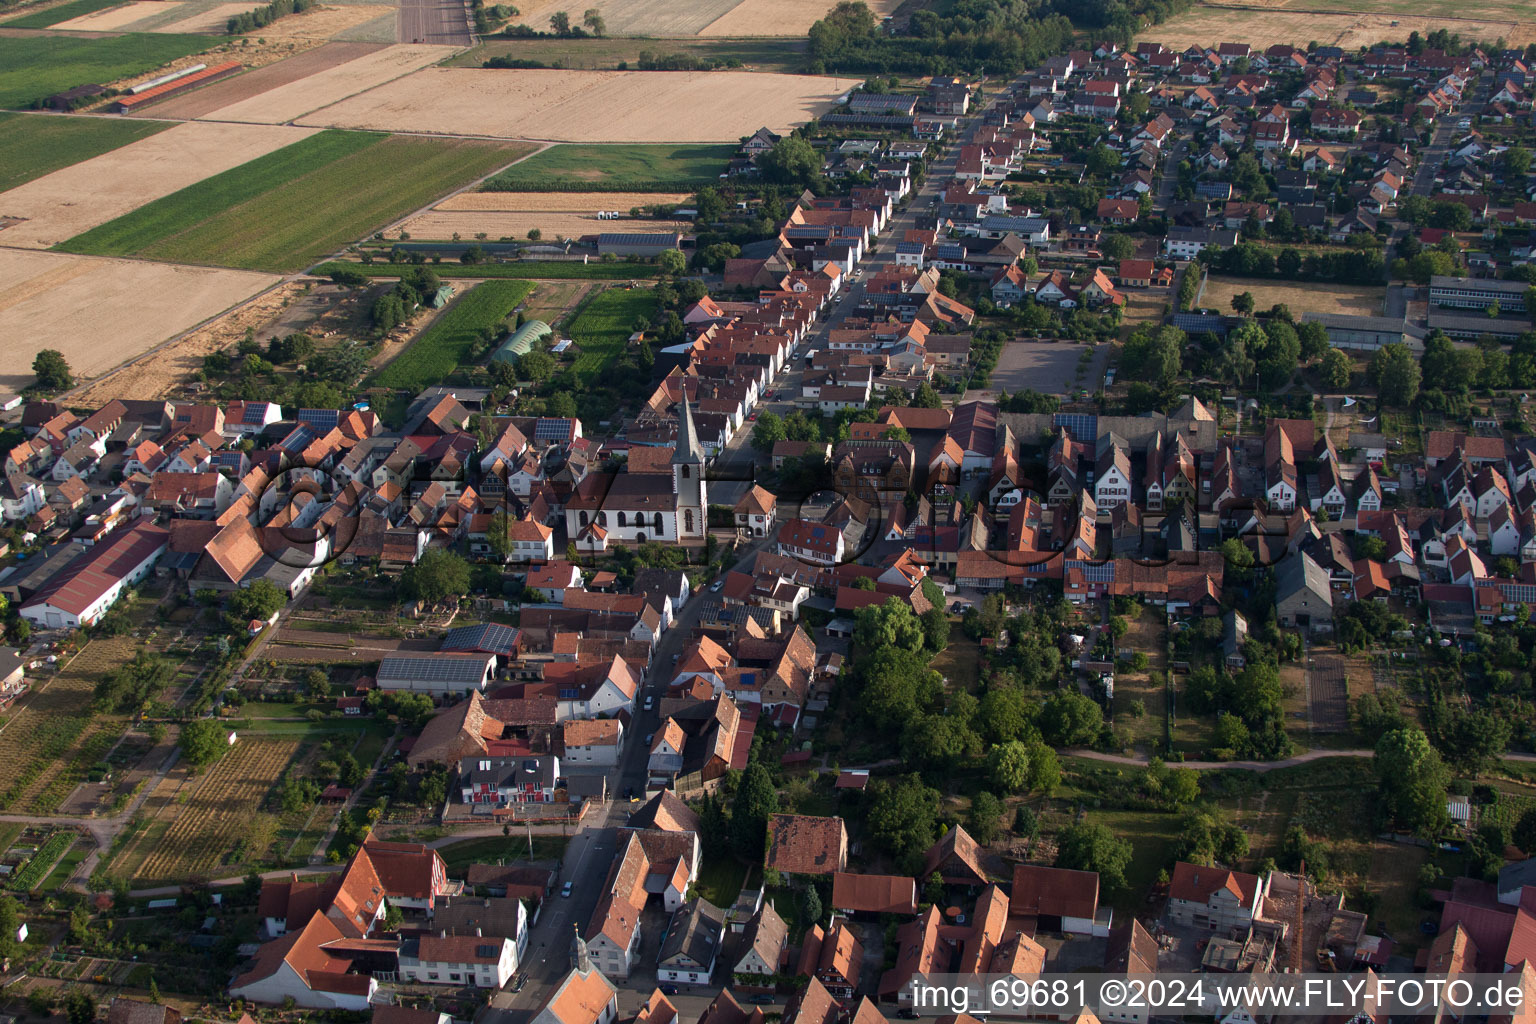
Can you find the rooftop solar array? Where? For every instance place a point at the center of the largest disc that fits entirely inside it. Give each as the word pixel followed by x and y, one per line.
pixel 1082 426
pixel 467 669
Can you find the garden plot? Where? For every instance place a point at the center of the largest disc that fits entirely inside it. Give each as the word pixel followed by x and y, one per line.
pixel 76 303
pixel 67 202
pixel 588 106
pixel 563 214
pixel 291 101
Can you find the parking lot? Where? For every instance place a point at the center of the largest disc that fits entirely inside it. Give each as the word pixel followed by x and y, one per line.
pixel 1049 367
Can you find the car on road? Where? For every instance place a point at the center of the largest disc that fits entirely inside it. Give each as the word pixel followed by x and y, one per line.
pixel 714 588
pixel 650 701
pixel 648 737
pixel 565 891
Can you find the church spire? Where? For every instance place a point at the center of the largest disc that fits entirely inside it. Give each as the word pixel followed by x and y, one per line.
pixel 688 449
pixel 579 958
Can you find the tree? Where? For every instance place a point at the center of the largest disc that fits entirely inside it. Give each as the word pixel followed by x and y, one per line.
pixel 1335 369
pixel 1396 375
pixel 791 161
pixel 52 370
pixel 10 921
pixel 439 575
pixel 1525 831
pixel 1102 161
pixel 79 1007
pixel 1118 247
pixel 1517 160
pixel 1411 781
pixel 755 801
pixel 891 624
pixel 561 404
pixel 985 820
pixel 927 397
pixel 536 365
pixel 1153 355
pixel 560 23
pixel 593 20
pixel 768 431
pixel 812 905
pixel 1008 766
pixel 903 816
pixel 672 262
pixel 1068 719
pixel 1092 847
pixel 203 741
pixel 1044 768
pixel 1243 303
pixel 262 599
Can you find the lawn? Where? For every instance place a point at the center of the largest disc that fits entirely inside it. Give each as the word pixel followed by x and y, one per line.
pixel 572 168
pixel 40 144
pixel 602 329
pixel 64 12
pixel 1311 296
pixel 767 53
pixel 493 849
pixel 521 270
pixel 33 68
pixel 284 210
pixel 452 338
pixel 66 865
pixel 721 879
pixel 959 663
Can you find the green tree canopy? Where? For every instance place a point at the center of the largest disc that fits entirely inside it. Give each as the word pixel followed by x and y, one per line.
pixel 437 576
pixel 1090 846
pixel 52 370
pixel 1411 782
pixel 203 741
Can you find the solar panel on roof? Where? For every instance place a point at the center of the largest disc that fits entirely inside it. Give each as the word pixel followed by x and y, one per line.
pixel 325 419
pixel 1081 426
pixel 298 440
pixel 552 429
pixel 433 669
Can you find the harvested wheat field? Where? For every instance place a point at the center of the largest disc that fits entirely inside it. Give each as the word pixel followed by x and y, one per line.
pixel 212 21
pixel 157 373
pixel 639 17
pixel 1312 297
pixel 588 106
pixel 287 102
pixel 322 24
pixel 563 214
pixel 117 19
pixel 102 312
pixel 1265 27
pixel 780 17
pixel 229 91
pixel 63 204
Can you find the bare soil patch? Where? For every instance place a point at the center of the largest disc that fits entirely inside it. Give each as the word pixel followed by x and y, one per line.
pixel 229 91
pixel 292 100
pixel 587 106
pixel 102 312
pixel 780 17
pixel 322 24
pixel 60 205
pixel 568 214
pixel 1263 27
pixel 1312 296
pixel 212 21
pixel 116 19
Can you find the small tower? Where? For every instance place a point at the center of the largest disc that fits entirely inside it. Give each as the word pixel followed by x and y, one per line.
pixel 688 476
pixel 579 958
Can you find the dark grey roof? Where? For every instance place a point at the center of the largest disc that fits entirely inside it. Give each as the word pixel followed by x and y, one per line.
pixel 694 933
pixel 504 771
pixel 485 638
pixel 494 917
pixel 670 238
pixel 456 669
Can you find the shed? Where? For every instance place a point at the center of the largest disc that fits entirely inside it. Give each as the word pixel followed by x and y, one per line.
pixel 441 296
pixel 520 341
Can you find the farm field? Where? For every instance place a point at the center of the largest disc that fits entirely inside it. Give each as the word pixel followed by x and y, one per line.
pixel 544 270
pixel 212 21
pixel 39 144
pixel 638 17
pixel 70 303
pixel 34 67
pixel 115 17
pixel 603 326
pixel 781 17
pixel 588 106
pixel 61 15
pixel 556 214
pixel 293 206
pixel 442 347
pixel 130 176
pixel 286 102
pixel 1266 26
pixel 201 833
pixel 754 53
pixel 616 168
pixel 229 91
pixel 1315 297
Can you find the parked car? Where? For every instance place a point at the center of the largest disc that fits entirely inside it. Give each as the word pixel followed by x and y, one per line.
pixel 565 891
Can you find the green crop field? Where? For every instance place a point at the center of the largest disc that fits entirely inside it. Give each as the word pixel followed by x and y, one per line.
pixel 546 270
pixel 445 345
pixel 282 211
pixel 32 68
pixel 572 168
pixel 40 144
pixel 602 328
pixel 63 12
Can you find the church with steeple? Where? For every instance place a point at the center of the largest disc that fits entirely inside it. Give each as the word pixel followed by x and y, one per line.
pixel 659 495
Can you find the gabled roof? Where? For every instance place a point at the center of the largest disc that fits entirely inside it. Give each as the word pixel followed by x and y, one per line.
pixel 1197 884
pixel 1054 892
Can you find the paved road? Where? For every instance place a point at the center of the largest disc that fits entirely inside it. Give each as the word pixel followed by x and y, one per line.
pixel 444 22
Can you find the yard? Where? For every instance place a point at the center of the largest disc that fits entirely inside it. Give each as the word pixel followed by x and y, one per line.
pixel 284 210
pixel 598 168
pixel 1311 296
pixel 35 67
pixel 497 849
pixel 602 328
pixel 452 338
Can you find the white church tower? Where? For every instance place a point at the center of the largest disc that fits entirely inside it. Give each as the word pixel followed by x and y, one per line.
pixel 688 478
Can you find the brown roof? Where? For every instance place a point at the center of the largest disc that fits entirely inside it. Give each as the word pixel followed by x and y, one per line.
pixel 665 811
pixel 462 949
pixel 955 856
pixel 581 998
pixel 394 1013
pixel 766 934
pixel 1131 950
pixel 1040 891
pixel 591 732
pixel 813 1005
pixel 874 894
pixel 1195 883
pixel 805 844
pixel 757 501
pixel 132 1011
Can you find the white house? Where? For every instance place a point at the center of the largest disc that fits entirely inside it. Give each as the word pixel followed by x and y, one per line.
pixel 81 592
pixel 299 967
pixel 692 943
pixel 462 960
pixel 20 497
pixel 592 742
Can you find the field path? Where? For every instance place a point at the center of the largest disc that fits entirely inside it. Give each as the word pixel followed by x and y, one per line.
pixel 1252 766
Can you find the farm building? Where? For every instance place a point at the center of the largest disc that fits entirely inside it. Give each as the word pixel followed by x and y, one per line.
pixel 631 244
pixel 1367 333
pixel 82 591
pixel 437 673
pixel 174 87
pixel 520 341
